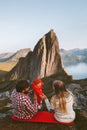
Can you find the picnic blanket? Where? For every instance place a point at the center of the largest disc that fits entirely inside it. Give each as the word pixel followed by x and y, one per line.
pixel 42 117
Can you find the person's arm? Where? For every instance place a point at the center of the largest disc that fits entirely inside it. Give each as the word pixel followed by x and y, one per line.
pixel 52 105
pixel 48 105
pixel 32 107
pixel 30 92
pixel 72 96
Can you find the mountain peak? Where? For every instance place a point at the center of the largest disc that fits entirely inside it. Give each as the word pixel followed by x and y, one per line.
pixel 45 60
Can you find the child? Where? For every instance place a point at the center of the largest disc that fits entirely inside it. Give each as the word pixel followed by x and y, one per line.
pixel 62 103
pixel 37 86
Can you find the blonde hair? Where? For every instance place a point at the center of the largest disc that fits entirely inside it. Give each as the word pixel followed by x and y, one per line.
pixel 60 91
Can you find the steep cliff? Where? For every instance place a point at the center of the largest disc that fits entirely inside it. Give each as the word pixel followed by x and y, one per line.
pixel 45 60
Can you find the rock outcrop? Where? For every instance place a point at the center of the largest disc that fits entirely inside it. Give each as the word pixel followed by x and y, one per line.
pixel 80 95
pixel 45 60
pixel 21 70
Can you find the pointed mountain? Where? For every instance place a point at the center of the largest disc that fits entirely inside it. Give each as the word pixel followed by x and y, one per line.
pixel 45 60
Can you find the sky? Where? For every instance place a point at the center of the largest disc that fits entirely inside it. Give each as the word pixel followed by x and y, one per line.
pixel 24 22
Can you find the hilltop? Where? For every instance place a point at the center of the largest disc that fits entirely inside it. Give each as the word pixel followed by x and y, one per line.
pixel 9 60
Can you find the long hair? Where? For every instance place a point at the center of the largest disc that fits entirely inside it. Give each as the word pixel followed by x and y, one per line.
pixel 60 92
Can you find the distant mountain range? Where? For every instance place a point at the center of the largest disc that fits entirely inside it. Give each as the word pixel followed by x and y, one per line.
pixel 14 56
pixel 69 57
pixel 9 60
pixel 74 56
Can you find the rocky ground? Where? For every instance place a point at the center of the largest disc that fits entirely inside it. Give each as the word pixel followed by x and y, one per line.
pixel 80 92
pixel 7 124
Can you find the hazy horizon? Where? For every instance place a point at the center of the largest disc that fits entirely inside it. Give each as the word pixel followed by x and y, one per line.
pixel 24 22
pixel 32 50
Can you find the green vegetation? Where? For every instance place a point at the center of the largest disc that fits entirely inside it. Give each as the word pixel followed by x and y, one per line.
pixel 7 66
pixel 2 75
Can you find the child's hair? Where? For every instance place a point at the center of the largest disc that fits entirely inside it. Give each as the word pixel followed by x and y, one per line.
pixel 21 85
pixel 60 91
pixel 37 81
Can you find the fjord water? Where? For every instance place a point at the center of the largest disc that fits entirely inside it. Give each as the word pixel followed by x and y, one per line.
pixel 78 71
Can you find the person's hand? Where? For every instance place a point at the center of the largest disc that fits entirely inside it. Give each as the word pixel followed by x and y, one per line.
pixel 43 97
pixel 35 96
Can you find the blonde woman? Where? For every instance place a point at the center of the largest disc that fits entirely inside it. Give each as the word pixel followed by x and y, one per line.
pixel 62 103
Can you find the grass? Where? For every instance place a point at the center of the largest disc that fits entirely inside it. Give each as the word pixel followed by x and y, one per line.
pixel 7 66
pixel 2 75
